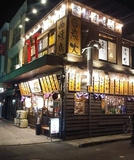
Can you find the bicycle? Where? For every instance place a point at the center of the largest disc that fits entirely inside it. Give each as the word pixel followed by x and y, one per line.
pixel 128 127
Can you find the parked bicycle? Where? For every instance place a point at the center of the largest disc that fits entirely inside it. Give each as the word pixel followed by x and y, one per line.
pixel 128 127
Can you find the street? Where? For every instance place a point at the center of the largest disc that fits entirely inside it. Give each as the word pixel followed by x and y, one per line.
pixel 64 151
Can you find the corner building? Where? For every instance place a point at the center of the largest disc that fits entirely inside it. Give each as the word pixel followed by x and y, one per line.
pixel 64 76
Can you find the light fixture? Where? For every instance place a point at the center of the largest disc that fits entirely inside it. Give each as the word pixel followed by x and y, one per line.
pixel 20 26
pixel 26 19
pixel 43 1
pixel 34 11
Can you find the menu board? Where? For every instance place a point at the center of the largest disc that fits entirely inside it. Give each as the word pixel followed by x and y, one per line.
pixel 78 82
pixel 121 86
pixel 54 125
pixel 130 88
pixel 112 86
pixel 125 87
pixel 24 89
pixel 71 81
pixel 95 86
pixel 101 85
pixel 116 86
pixel 107 85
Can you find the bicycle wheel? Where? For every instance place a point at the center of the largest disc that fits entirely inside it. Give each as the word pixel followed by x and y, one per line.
pixel 127 128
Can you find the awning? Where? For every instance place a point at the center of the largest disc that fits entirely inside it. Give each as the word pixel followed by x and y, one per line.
pixel 45 64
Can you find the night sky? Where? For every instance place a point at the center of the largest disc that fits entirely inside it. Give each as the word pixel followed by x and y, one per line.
pixel 9 8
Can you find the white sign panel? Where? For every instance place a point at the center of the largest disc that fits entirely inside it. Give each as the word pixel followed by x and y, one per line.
pixel 103 50
pixel 54 127
pixel 125 56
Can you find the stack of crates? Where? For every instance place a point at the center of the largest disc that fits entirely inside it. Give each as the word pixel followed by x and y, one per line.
pixel 21 119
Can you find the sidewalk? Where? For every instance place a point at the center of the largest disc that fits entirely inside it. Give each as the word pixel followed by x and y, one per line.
pixel 12 135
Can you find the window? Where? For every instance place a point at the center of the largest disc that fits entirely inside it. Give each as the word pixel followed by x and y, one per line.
pixel 16 35
pixel 113 104
pixel 14 62
pixel 108 50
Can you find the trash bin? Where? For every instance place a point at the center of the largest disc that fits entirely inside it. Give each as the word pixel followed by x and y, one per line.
pixel 38 129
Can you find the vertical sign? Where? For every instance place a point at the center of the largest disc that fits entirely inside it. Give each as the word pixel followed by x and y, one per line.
pixel 125 87
pixel 106 85
pixel 96 86
pixel 61 36
pixel 52 82
pixel 71 81
pixel 112 82
pixel 45 85
pixel 101 85
pixel 78 82
pixel 49 84
pixel 56 82
pixel 121 86
pixel 42 85
pixel 74 42
pixel 117 86
pixel 130 88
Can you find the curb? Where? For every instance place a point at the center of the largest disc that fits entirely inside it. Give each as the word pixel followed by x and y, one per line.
pixel 89 144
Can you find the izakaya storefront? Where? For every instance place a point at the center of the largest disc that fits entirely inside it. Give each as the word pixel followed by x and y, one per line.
pixel 42 100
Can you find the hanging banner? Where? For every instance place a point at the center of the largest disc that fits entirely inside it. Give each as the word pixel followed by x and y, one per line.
pixel 74 42
pixel 61 36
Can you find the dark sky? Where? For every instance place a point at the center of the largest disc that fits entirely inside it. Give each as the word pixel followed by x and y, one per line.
pixel 9 8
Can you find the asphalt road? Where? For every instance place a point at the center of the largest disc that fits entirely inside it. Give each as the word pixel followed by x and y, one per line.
pixel 64 151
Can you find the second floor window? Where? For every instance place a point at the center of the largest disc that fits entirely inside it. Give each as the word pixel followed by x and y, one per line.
pixel 16 35
pixel 108 50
